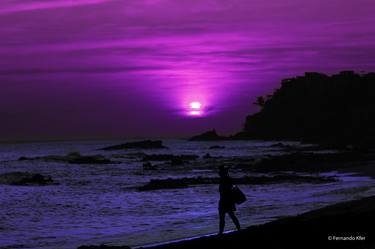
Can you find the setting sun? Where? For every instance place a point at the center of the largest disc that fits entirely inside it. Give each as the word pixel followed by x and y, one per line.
pixel 195 105
pixel 195 109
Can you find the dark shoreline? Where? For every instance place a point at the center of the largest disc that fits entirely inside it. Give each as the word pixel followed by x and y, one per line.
pixel 349 225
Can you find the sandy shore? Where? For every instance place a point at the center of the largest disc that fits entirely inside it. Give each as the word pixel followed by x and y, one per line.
pixel 346 225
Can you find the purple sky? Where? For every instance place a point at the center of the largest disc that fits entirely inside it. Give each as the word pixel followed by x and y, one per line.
pixel 130 68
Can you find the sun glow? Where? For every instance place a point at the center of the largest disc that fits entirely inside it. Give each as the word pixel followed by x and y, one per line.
pixel 195 105
pixel 195 108
pixel 195 113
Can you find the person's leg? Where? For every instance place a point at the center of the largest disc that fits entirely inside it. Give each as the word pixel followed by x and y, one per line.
pixel 222 221
pixel 235 220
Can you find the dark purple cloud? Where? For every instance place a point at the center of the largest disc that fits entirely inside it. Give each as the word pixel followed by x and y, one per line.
pixel 97 68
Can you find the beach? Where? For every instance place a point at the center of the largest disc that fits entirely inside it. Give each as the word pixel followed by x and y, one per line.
pixel 345 225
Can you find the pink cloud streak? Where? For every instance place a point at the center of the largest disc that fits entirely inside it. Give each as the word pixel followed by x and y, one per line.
pixel 8 7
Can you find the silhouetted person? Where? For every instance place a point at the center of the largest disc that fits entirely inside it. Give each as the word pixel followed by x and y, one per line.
pixel 226 203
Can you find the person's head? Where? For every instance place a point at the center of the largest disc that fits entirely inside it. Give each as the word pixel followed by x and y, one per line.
pixel 223 172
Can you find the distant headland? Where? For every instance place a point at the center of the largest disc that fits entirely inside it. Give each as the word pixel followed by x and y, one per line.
pixel 336 109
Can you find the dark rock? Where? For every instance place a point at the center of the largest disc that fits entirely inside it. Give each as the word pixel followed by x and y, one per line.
pixel 73 158
pixel 285 147
pixel 178 161
pixel 25 179
pixel 207 156
pixel 95 159
pixel 208 136
pixel 149 166
pixel 277 145
pixel 135 155
pixel 146 144
pixel 216 147
pixel 169 157
pixel 83 183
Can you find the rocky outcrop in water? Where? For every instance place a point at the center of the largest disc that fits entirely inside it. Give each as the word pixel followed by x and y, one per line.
pixel 168 157
pixel 216 147
pixel 173 159
pixel 25 179
pixel 207 136
pixel 73 158
pixel 149 166
pixel 146 144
